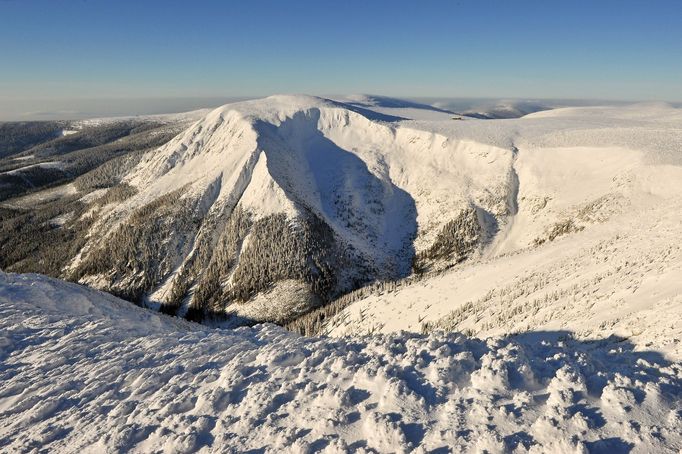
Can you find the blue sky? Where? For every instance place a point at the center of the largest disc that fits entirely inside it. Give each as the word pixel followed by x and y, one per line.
pixel 79 49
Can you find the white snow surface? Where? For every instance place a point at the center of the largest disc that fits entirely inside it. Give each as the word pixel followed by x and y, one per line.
pixel 619 278
pixel 377 184
pixel 387 183
pixel 400 108
pixel 575 294
pixel 608 179
pixel 81 371
pixel 395 177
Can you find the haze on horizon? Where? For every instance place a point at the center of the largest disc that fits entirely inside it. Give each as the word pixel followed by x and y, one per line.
pixel 98 58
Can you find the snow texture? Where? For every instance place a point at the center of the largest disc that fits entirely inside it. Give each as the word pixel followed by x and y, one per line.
pixel 81 371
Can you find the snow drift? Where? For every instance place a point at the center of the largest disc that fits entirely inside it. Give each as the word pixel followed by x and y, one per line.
pixel 83 371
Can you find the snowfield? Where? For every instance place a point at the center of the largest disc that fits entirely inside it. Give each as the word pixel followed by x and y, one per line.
pixel 524 287
pixel 619 277
pixel 81 371
pixel 590 242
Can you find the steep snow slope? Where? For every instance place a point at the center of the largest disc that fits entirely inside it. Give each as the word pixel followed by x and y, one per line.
pixel 282 204
pixel 322 153
pixel 366 193
pixel 619 278
pixel 81 371
pixel 591 243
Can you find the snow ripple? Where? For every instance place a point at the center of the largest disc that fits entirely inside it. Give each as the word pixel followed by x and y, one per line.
pixel 82 371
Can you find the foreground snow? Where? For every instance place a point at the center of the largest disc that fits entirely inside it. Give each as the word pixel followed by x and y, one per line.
pixel 83 371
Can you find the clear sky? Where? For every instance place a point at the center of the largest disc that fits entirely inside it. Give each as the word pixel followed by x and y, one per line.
pixel 92 49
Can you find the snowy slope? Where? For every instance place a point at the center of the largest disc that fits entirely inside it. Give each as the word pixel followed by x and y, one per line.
pixel 619 278
pixel 367 193
pixel 591 243
pixel 319 152
pixel 81 371
pixel 266 209
pixel 380 190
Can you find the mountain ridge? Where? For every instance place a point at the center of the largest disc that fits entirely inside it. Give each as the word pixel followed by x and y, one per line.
pixel 315 161
pixel 267 209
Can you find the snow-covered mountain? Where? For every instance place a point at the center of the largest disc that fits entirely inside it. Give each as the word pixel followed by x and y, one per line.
pixel 551 241
pixel 591 242
pixel 265 210
pixel 81 371
pixel 302 197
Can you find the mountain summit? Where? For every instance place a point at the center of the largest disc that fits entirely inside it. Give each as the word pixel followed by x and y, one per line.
pixel 302 197
pixel 265 210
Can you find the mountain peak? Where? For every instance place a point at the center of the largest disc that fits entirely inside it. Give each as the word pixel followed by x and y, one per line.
pixel 305 194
